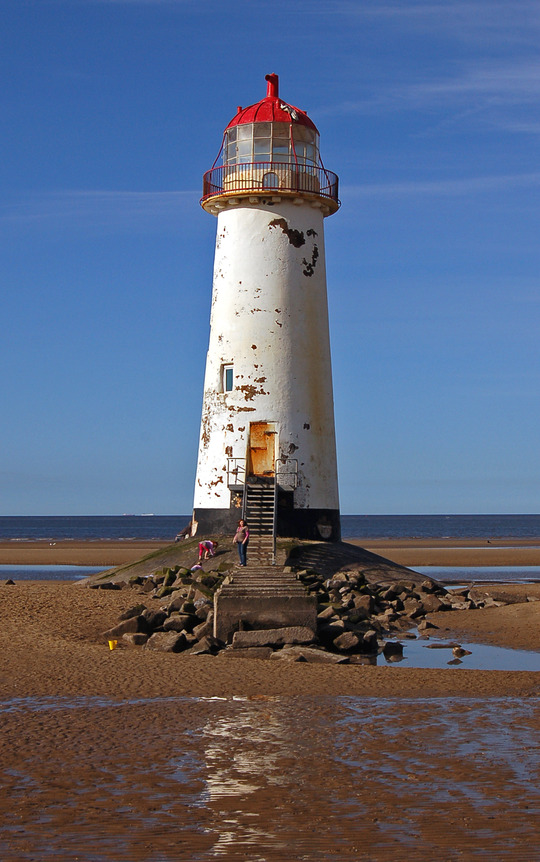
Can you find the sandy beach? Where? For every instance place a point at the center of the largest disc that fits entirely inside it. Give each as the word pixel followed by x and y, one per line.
pixel 407 552
pixel 130 755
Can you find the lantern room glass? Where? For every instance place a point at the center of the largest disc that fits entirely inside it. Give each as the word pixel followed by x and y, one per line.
pixel 285 143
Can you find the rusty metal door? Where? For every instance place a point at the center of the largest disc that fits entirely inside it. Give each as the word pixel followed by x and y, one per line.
pixel 262 448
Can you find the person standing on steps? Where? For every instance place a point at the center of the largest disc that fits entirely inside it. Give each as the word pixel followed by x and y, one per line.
pixel 241 537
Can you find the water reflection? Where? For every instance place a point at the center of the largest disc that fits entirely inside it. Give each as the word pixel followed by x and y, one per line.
pixel 268 779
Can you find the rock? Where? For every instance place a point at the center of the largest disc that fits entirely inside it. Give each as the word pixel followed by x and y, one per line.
pixel 250 652
pixel 154 619
pixel 204 610
pixel 9 583
pixel 533 598
pixel 425 624
pixel 313 655
pixel 432 604
pixel 206 645
pixel 178 597
pixel 106 585
pixel 131 626
pixel 166 642
pixel 328 614
pixel 412 607
pixel 135 639
pixel 364 603
pixel 203 629
pixel 176 623
pixel 370 641
pixel 287 655
pixel 273 637
pixel 346 642
pixel 393 650
pixel 429 586
pixel 133 612
pixel 148 585
pixel 328 632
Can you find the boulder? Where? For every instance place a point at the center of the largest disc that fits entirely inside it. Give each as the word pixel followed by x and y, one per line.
pixel 166 642
pixel 312 655
pixel 370 641
pixel 203 629
pixel 393 650
pixel 425 625
pixel 154 619
pixel 412 607
pixel 328 614
pixel 135 638
pixel 131 626
pixel 133 612
pixel 176 623
pixel 346 642
pixel 250 652
pixel 205 646
pixel 273 637
pixel 432 604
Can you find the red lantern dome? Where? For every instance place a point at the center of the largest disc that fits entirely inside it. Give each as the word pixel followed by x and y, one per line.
pixel 270 148
pixel 271 109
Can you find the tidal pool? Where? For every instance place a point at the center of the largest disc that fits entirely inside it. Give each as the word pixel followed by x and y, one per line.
pixel 49 573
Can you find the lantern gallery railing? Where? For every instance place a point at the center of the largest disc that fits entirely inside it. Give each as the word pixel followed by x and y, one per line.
pixel 273 177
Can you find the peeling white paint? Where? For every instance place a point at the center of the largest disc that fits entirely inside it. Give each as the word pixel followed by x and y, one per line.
pixel 269 269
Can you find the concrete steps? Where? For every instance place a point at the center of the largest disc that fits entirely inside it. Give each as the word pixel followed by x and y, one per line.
pixel 262 597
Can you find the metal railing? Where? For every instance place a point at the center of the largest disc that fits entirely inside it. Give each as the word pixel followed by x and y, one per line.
pixel 270 177
pixel 287 473
pixel 236 472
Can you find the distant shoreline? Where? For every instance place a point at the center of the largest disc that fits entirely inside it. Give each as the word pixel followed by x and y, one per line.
pixel 407 552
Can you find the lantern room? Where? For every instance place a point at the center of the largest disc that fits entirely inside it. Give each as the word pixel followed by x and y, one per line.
pixel 269 147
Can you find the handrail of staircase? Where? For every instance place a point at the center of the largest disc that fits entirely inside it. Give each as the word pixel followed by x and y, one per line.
pixel 292 472
pixel 236 467
pixel 274 522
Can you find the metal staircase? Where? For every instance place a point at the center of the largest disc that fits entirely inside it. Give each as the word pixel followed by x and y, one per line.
pixel 259 512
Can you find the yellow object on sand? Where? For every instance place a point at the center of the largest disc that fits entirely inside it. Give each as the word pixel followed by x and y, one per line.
pixel 113 644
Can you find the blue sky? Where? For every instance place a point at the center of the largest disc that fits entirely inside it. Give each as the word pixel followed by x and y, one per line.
pixel 113 109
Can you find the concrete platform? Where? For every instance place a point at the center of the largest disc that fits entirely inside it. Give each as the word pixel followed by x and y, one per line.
pixel 262 598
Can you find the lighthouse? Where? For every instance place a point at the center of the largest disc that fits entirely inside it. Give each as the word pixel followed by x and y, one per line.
pixel 267 441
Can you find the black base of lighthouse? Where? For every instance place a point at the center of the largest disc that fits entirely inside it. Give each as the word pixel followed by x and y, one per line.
pixel 319 525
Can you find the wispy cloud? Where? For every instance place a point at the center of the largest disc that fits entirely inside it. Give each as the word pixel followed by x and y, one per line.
pixel 481 20
pixel 449 187
pixel 500 95
pixel 98 209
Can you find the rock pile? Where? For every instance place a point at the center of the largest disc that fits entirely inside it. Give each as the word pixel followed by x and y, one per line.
pixel 185 616
pixel 355 617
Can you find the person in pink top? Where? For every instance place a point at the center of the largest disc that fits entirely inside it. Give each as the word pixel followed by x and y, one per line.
pixel 207 549
pixel 241 537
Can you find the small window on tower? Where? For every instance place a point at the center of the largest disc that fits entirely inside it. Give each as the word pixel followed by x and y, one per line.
pixel 228 378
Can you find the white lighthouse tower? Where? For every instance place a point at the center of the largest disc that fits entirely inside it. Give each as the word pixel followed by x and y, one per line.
pixel 267 428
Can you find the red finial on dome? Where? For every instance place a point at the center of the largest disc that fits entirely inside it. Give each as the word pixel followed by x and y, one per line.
pixel 272 88
pixel 271 109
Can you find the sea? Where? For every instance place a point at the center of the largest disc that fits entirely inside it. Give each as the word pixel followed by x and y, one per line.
pixel 162 527
pixel 103 528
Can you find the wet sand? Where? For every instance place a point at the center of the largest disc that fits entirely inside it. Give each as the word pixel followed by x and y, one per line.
pixel 407 552
pixel 75 553
pixel 51 644
pixel 124 756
